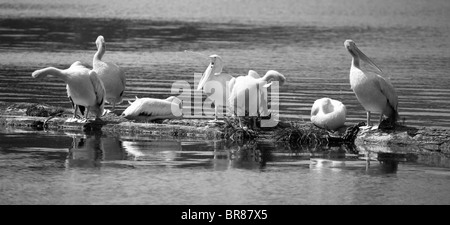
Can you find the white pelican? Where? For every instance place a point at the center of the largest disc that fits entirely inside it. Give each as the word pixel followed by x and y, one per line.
pixel 112 75
pixel 149 109
pixel 254 102
pixel 328 113
pixel 214 79
pixel 375 93
pixel 84 87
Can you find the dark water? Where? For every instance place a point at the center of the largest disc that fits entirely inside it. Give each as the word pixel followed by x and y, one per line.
pixel 409 39
pixel 71 168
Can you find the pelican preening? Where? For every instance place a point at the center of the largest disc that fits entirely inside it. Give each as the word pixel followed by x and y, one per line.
pixel 328 113
pixel 84 87
pixel 149 109
pixel 248 94
pixel 112 76
pixel 374 92
pixel 213 78
pixel 231 92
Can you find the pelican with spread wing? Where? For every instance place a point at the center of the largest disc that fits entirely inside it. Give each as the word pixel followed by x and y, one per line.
pixel 84 88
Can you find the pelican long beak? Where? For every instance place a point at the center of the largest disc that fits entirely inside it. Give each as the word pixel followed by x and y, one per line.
pixel 205 76
pixel 366 59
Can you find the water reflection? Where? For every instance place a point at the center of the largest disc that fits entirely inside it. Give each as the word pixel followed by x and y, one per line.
pixel 218 155
pixel 199 172
pixel 91 150
pixel 244 156
pixel 152 150
pixel 388 166
pixel 94 150
pixel 339 158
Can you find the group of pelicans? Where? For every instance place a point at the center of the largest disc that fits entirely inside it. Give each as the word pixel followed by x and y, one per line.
pixel 89 90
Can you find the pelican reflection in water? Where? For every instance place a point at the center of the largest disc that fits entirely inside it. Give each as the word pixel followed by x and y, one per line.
pixel 92 150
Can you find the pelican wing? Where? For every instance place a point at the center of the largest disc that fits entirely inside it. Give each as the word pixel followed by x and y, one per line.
pixel 98 88
pixel 174 100
pixel 113 80
pixel 111 68
pixel 388 90
pixel 122 78
pixel 121 75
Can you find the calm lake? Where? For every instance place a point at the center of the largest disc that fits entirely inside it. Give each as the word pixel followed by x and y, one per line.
pixel 68 168
pixel 408 39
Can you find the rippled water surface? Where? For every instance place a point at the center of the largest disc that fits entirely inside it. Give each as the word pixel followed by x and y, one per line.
pixel 408 39
pixel 70 168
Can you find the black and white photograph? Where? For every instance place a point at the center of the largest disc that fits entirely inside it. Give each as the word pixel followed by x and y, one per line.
pixel 233 103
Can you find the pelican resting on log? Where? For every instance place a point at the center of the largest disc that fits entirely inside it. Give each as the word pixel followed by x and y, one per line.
pixel 112 76
pixel 328 113
pixel 374 92
pixel 213 78
pixel 149 109
pixel 248 94
pixel 84 88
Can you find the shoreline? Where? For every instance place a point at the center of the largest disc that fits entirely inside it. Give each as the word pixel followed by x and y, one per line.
pixel 403 139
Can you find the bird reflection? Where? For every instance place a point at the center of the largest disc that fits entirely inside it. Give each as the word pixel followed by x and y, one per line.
pixel 246 156
pixel 151 150
pixel 91 149
pixel 342 158
pixel 388 166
